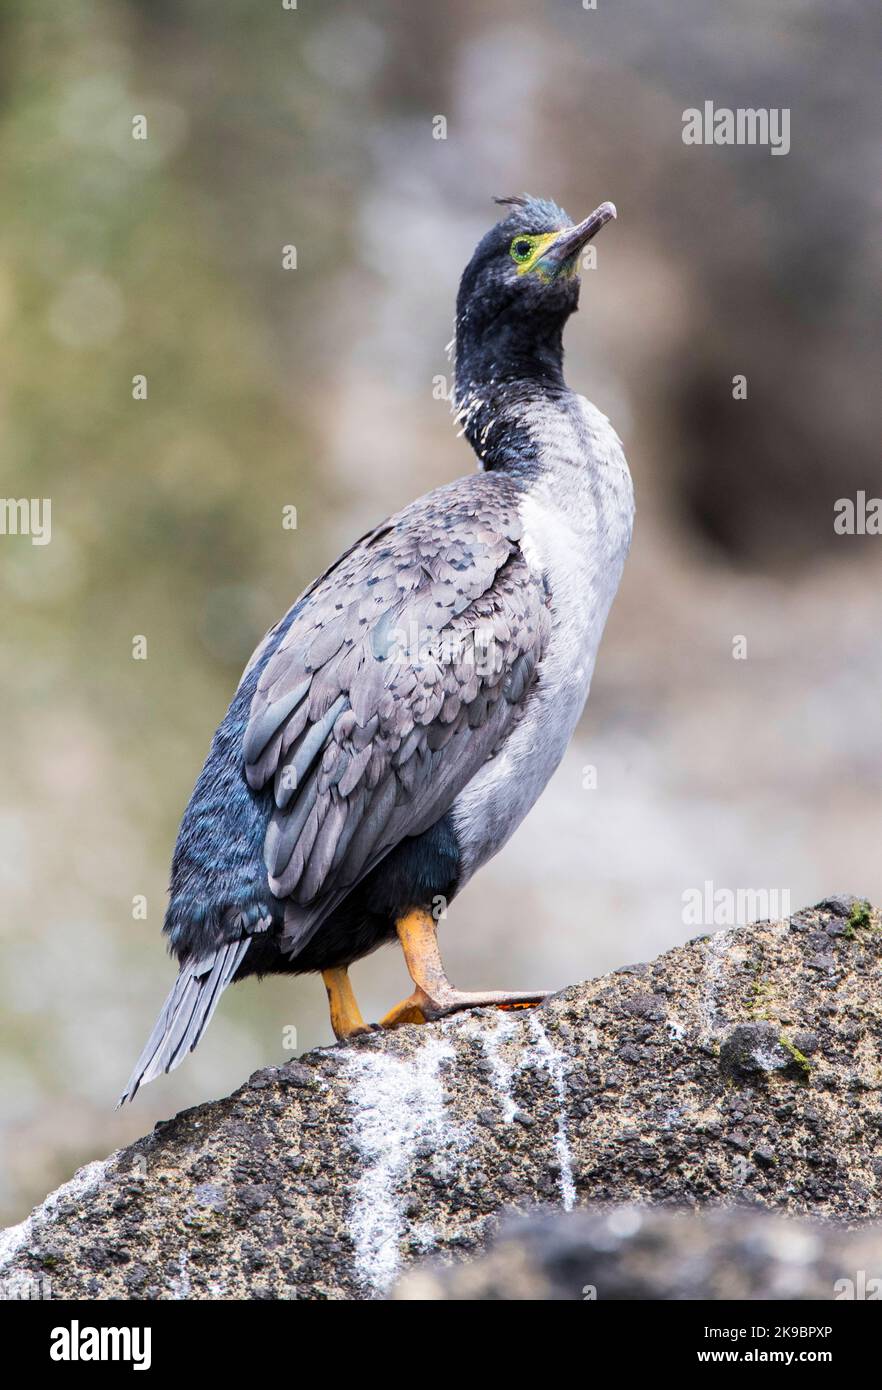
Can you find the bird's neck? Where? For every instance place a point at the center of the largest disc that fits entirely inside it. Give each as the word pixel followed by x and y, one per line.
pixel 496 396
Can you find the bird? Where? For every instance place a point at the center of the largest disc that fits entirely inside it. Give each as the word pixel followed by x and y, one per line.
pixel 395 727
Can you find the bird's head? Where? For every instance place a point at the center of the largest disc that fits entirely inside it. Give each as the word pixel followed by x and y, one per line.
pixel 521 286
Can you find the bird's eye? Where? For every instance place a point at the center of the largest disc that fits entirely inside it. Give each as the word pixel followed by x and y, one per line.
pixel 521 249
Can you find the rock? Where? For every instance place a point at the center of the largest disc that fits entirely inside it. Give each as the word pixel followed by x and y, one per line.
pixel 840 904
pixel 752 1050
pixel 679 1082
pixel 644 1253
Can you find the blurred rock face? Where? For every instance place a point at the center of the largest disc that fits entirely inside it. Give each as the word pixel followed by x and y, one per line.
pixel 783 272
pixel 634 1253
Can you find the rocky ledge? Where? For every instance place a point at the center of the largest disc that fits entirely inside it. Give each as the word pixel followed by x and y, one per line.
pixel 742 1068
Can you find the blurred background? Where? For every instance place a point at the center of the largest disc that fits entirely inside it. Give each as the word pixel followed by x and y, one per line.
pixel 317 388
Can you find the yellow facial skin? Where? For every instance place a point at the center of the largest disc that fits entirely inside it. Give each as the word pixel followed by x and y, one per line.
pixel 527 251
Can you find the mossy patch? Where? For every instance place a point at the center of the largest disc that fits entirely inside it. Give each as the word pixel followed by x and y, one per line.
pixel 859 918
pixel 800 1060
pixel 760 1003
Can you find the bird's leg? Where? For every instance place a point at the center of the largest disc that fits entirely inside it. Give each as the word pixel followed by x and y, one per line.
pixel 346 1019
pixel 434 995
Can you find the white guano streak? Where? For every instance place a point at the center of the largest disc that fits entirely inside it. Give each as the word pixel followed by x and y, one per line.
pixel 397 1103
pixel 555 1064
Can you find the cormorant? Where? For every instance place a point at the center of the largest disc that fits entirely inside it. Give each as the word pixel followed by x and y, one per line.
pixel 394 728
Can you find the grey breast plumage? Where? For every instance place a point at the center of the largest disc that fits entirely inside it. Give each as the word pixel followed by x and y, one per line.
pixel 396 680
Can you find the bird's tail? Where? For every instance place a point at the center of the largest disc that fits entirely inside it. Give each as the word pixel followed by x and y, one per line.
pixel 185 1013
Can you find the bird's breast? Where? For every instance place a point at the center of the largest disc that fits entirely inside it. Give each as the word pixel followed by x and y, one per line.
pixel 577 524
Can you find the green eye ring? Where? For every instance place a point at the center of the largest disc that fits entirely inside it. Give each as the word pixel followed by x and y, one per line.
pixel 522 249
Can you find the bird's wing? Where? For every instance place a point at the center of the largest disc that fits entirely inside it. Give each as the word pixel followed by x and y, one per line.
pixel 398 676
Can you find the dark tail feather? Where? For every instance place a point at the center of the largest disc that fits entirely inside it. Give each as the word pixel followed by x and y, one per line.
pixel 185 1013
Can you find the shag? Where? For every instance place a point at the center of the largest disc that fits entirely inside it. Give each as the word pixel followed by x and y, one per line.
pixel 394 728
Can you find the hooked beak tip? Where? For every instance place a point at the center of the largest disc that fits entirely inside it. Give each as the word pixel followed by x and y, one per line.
pixel 573 239
pixel 607 212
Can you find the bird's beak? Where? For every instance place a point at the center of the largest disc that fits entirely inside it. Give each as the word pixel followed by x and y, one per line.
pixel 571 241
